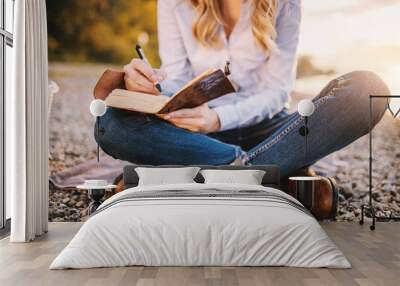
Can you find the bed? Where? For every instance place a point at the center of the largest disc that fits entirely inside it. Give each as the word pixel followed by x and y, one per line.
pixel 197 224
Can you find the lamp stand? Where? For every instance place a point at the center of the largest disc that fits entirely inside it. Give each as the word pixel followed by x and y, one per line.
pixel 97 134
pixel 304 132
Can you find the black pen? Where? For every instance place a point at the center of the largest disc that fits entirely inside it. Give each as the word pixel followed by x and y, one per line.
pixel 141 55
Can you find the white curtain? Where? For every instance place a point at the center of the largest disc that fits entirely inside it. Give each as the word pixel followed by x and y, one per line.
pixel 26 124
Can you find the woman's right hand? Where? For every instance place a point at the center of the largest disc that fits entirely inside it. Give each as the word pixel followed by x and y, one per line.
pixel 140 77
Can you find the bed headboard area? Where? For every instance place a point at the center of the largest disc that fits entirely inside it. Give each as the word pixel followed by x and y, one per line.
pixel 271 177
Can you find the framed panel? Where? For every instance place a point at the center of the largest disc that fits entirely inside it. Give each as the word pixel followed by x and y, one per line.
pixel 9 60
pixel 9 15
pixel 1 14
pixel 2 125
pixel 6 43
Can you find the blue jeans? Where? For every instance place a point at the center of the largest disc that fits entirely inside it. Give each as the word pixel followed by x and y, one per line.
pixel 341 116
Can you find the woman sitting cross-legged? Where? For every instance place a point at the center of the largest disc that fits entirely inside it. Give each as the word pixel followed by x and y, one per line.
pixel 252 125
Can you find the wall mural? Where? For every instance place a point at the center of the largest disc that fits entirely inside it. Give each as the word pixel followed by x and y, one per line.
pixel 88 37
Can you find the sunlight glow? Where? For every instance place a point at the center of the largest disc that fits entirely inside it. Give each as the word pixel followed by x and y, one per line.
pixel 357 34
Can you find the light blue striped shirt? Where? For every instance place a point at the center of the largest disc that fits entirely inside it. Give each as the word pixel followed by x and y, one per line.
pixel 264 82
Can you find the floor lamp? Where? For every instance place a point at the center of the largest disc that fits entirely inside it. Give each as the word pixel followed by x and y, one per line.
pixel 370 207
pixel 305 108
pixel 96 188
pixel 98 108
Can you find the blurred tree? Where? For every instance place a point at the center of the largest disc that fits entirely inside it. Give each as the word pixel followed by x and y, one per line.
pixel 107 31
pixel 101 30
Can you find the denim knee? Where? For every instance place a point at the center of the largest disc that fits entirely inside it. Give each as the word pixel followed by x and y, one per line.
pixel 110 131
pixel 102 137
pixel 362 85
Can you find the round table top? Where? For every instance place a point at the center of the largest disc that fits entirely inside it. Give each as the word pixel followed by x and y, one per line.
pixel 305 178
pixel 89 187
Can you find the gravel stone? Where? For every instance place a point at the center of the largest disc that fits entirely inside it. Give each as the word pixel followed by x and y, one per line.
pixel 80 204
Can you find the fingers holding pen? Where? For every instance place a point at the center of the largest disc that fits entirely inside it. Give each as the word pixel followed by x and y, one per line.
pixel 144 69
pixel 139 77
pixel 149 72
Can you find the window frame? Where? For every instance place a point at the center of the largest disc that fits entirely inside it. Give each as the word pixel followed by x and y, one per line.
pixel 6 39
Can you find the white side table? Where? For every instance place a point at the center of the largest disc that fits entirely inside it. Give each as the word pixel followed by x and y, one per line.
pixel 96 191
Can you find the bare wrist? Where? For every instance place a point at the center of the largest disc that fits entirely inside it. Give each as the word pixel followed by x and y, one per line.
pixel 217 124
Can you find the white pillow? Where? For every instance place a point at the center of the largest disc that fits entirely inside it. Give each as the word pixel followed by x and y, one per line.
pixel 163 176
pixel 248 177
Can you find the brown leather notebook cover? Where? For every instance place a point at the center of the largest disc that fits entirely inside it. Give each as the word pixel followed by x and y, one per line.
pixel 202 89
pixel 109 80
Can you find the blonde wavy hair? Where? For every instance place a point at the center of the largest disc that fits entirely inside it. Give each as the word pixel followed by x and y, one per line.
pixel 210 20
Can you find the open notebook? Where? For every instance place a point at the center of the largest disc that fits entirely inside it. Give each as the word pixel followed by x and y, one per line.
pixel 203 88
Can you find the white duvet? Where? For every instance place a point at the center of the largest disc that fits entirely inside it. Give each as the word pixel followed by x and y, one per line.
pixel 183 231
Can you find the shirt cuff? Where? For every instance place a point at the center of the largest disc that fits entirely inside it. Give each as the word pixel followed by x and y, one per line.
pixel 228 117
pixel 169 87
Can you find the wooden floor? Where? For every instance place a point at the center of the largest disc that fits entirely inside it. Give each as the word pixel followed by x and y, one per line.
pixel 375 257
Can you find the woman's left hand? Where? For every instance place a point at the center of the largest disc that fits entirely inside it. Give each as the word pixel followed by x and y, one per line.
pixel 201 119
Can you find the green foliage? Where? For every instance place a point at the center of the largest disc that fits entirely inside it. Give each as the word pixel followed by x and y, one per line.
pixel 101 30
